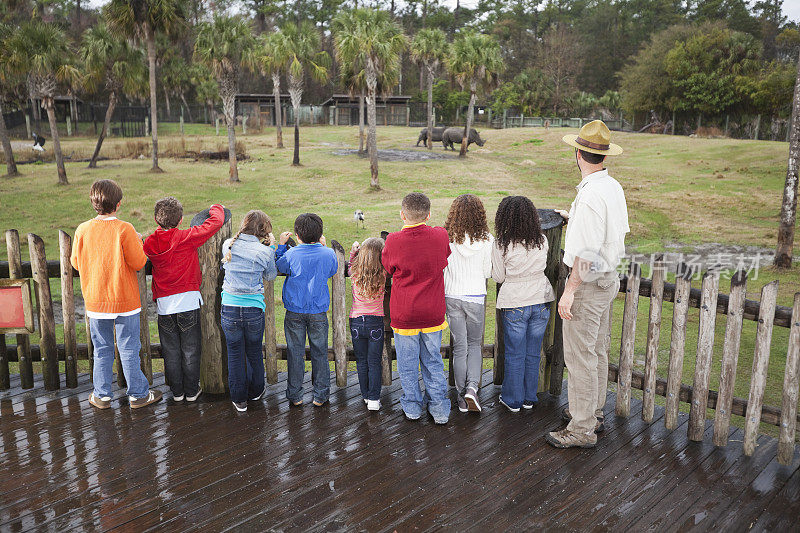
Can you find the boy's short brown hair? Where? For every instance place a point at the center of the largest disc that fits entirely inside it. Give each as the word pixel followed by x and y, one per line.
pixel 105 195
pixel 416 207
pixel 308 227
pixel 168 212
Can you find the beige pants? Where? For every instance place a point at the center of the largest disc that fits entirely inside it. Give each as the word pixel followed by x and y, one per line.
pixel 586 340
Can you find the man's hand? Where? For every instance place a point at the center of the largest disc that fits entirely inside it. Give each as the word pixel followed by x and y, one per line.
pixel 564 214
pixel 285 237
pixel 323 241
pixel 565 305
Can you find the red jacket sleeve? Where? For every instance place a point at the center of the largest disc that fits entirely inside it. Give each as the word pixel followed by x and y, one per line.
pixel 200 234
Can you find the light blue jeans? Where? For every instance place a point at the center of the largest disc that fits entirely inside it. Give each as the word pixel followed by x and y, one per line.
pixel 422 351
pixel 523 329
pixel 128 342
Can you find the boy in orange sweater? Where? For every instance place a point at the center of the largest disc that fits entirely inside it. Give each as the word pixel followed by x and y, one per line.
pixel 108 252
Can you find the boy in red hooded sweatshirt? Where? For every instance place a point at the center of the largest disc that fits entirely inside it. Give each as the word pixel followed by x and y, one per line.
pixel 176 291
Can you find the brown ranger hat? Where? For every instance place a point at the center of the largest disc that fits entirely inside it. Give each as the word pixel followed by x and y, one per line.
pixel 594 137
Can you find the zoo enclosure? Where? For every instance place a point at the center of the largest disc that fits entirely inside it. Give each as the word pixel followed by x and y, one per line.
pixel 708 300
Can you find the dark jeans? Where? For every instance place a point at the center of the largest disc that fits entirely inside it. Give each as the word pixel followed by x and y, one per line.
pixel 296 326
pixel 367 333
pixel 244 335
pixel 180 347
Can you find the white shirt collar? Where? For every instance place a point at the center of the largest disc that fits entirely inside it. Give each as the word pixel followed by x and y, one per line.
pixel 594 175
pixel 104 219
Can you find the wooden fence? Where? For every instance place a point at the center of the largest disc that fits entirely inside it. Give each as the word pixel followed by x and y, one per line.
pixel 707 299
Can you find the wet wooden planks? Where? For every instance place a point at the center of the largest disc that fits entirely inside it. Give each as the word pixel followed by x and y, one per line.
pixel 203 467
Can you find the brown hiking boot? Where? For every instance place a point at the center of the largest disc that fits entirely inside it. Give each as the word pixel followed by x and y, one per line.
pixel 100 403
pixel 152 397
pixel 567 439
pixel 599 426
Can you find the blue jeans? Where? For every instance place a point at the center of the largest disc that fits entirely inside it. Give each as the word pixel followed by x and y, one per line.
pixel 128 343
pixel 524 329
pixel 421 351
pixel 244 336
pixel 296 326
pixel 367 333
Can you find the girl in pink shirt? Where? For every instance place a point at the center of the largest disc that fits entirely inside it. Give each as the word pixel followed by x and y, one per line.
pixel 368 279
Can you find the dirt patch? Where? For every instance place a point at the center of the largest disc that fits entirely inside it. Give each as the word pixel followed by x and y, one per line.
pixel 400 155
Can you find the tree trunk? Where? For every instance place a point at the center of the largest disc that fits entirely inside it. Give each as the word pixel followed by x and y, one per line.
pixel 51 117
pixel 361 123
pixel 468 126
pixel 186 105
pixel 11 165
pixel 151 62
pixel 783 253
pixel 296 156
pixel 296 94
pixel 112 102
pixel 234 172
pixel 372 139
pixel 167 102
pixel 430 108
pixel 276 95
pixel 421 76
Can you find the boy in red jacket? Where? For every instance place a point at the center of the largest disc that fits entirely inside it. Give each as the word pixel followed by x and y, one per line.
pixel 176 290
pixel 416 257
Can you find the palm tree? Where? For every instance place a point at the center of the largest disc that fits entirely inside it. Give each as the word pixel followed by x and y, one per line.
pixel 369 40
pixel 783 253
pixel 224 46
pixel 9 82
pixel 303 43
pixel 43 53
pixel 356 85
pixel 430 48
pixel 273 56
pixel 143 19
pixel 110 59
pixel 475 60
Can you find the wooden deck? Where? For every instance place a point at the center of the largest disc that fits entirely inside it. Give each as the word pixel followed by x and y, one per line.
pixel 205 467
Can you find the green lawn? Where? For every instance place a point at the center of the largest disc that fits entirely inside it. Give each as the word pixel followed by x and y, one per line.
pixel 679 190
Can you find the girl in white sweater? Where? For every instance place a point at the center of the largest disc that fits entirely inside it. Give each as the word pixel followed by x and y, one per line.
pixel 468 267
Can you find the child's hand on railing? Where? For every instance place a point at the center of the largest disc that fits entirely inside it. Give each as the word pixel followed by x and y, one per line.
pixel 271 239
pixel 285 237
pixel 354 248
pixel 323 241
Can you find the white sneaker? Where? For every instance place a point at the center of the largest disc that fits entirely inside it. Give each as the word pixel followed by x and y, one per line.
pixel 177 398
pixel 366 402
pixel 373 405
pixel 512 409
pixel 196 396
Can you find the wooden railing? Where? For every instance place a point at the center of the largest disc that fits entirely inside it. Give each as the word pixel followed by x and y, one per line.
pixel 707 299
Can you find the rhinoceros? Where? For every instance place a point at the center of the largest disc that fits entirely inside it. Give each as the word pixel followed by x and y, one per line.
pixel 437 135
pixel 456 135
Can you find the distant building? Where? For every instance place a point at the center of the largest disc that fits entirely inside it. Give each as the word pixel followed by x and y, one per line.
pixel 389 111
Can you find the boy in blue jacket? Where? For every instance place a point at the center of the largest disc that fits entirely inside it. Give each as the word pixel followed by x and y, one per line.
pixel 306 299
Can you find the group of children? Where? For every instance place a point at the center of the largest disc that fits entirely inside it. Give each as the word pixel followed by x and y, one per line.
pixel 438 276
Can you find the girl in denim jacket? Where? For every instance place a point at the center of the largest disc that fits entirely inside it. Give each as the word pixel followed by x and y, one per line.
pixel 248 261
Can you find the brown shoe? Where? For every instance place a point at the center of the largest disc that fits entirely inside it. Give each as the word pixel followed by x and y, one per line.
pixel 152 397
pixel 568 439
pixel 599 426
pixel 100 403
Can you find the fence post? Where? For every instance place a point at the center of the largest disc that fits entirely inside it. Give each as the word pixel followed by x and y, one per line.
pixel 244 125
pixel 339 315
pixel 271 342
pixel 673 122
pixel 727 122
pixel 47 322
pixel 216 121
pixel 408 116
pixel 705 351
pixel 214 357
pixel 791 378
pixel 623 407
pixel 730 357
pixel 758 127
pixel 23 341
pixel 677 347
pixel 69 127
pixel 499 344
pixel 766 317
pixel 505 118
pixel 28 125
pixel 181 124
pixel 653 336
pixel 5 373
pixel 68 311
pixel 145 355
pixel 146 126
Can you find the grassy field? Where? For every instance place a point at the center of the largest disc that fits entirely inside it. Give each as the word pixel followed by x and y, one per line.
pixel 681 192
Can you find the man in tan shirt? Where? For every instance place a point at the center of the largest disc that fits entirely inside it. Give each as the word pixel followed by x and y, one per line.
pixel 593 248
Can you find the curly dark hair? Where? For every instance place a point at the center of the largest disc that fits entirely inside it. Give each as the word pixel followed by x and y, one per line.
pixel 517 222
pixel 467 217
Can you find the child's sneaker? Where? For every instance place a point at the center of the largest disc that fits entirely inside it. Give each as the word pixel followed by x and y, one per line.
pixel 196 396
pixel 462 403
pixel 260 396
pixel 153 396
pixel 471 397
pixel 529 405
pixel 410 416
pixel 177 398
pixel 319 403
pixel 240 406
pixel 373 405
pixel 512 409
pixel 100 403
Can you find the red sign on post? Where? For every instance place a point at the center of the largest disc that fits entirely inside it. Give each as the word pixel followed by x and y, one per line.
pixel 16 314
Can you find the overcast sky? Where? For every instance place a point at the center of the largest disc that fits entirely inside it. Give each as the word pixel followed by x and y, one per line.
pixel 791 8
